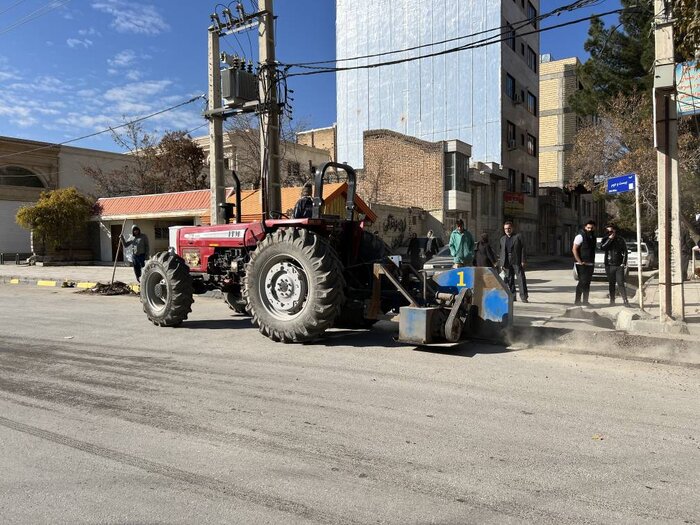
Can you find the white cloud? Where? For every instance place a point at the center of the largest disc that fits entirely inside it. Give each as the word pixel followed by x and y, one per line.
pixel 137 90
pixel 87 93
pixel 130 17
pixel 134 75
pixel 89 32
pixel 75 42
pixel 122 59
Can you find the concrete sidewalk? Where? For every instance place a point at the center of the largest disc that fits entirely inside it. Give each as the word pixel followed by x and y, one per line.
pixel 58 275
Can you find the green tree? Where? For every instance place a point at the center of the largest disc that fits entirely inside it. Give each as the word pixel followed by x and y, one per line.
pixel 687 27
pixel 621 140
pixel 621 58
pixel 58 219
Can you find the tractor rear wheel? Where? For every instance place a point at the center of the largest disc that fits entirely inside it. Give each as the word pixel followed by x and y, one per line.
pixel 294 286
pixel 166 289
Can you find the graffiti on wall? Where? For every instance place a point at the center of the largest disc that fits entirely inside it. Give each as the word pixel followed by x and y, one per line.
pixel 394 225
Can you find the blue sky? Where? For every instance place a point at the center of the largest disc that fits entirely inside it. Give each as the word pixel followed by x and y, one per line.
pixel 72 67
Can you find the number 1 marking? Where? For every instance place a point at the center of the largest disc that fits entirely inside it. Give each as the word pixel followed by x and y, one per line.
pixel 461 279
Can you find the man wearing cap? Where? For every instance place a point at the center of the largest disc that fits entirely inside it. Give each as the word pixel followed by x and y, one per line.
pixel 140 249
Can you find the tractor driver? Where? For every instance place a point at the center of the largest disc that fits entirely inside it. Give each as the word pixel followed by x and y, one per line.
pixel 305 204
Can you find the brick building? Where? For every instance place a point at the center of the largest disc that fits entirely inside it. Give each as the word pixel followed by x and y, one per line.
pixel 436 180
pixel 561 211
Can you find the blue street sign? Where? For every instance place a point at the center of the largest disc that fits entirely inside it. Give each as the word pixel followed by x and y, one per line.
pixel 621 184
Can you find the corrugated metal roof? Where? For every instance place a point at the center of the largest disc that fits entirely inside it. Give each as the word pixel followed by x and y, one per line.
pixel 197 203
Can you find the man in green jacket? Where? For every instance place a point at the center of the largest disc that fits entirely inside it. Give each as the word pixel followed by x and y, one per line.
pixel 461 245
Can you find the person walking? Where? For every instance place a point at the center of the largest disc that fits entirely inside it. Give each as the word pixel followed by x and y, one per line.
pixel 615 249
pixel 431 245
pixel 512 260
pixel 461 245
pixel 584 255
pixel 483 253
pixel 413 250
pixel 140 249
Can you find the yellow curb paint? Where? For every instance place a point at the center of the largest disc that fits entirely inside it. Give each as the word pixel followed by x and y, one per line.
pixel 86 285
pixel 46 283
pixel 14 281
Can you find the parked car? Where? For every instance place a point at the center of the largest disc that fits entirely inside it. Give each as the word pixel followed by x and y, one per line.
pixel 422 244
pixel 440 262
pixel 649 259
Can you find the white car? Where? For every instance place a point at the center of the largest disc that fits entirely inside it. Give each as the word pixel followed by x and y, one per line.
pixel 648 256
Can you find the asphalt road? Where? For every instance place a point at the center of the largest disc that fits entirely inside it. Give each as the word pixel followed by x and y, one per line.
pixel 105 418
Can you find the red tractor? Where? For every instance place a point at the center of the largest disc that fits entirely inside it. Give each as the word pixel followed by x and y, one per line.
pixel 295 277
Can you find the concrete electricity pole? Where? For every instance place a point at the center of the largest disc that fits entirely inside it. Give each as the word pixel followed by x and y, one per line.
pixel 216 132
pixel 666 141
pixel 269 119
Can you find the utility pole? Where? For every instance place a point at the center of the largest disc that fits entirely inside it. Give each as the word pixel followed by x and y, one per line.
pixel 269 118
pixel 666 141
pixel 216 130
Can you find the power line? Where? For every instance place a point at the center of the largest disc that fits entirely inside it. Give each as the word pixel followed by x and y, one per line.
pixel 475 45
pixel 46 8
pixel 11 6
pixel 577 4
pixel 111 128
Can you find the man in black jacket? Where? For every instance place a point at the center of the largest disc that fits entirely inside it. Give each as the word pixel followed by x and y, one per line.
pixel 584 255
pixel 512 260
pixel 615 262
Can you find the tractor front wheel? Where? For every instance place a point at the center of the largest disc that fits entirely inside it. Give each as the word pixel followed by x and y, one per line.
pixel 166 289
pixel 294 286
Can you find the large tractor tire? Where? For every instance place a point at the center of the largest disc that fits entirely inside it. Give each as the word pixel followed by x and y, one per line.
pixel 294 286
pixel 166 289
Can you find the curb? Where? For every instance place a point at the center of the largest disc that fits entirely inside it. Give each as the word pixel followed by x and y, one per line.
pixel 609 343
pixel 52 283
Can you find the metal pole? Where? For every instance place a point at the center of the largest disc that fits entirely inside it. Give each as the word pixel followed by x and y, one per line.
pixel 269 118
pixel 116 255
pixel 216 131
pixel 639 241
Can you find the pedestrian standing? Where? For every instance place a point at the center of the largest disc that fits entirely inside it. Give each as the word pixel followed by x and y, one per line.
pixel 483 253
pixel 140 249
pixel 461 245
pixel 584 255
pixel 512 260
pixel 431 245
pixel 687 246
pixel 615 249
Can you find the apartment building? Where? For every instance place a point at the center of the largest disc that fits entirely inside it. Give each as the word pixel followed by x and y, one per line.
pixel 562 210
pixel 486 97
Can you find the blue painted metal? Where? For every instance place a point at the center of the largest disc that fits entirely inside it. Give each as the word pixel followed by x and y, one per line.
pixel 419 325
pixel 491 295
pixel 621 184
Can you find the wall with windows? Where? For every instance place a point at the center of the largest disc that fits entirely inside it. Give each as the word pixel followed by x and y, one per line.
pixel 452 96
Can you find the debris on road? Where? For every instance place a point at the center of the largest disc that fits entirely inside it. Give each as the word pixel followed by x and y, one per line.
pixel 117 288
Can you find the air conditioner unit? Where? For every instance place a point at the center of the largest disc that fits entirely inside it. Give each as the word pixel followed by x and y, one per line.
pixel 512 144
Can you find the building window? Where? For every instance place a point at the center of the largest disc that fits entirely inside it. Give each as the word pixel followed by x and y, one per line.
pixel 531 59
pixel 18 176
pixel 494 193
pixel 531 103
pixel 485 200
pixel 293 170
pixel 533 185
pixel 510 36
pixel 160 232
pixel 510 86
pixel 456 171
pixel 522 49
pixel 531 145
pixel 532 14
pixel 511 179
pixel 510 134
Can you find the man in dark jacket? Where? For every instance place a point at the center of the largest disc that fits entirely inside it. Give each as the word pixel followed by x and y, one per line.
pixel 584 255
pixel 615 249
pixel 140 249
pixel 512 260
pixel 303 209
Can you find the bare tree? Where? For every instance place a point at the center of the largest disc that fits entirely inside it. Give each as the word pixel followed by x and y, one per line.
pixel 179 162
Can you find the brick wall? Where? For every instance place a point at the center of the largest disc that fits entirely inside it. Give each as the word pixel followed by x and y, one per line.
pixel 324 139
pixel 402 171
